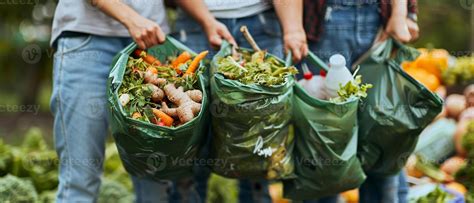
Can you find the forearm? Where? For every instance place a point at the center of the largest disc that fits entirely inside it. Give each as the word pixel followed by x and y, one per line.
pixel 198 10
pixel 290 14
pixel 117 10
pixel 400 8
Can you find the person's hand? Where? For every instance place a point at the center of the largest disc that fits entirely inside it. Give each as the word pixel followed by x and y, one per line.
pixel 216 32
pixel 397 27
pixel 296 43
pixel 144 32
pixel 413 28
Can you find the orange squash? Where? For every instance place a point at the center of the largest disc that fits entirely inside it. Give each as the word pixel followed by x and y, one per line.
pixel 276 193
pixel 351 196
pixel 434 61
pixel 458 187
pixel 429 80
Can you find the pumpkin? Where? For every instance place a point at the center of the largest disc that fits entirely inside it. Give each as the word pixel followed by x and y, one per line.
pixel 276 193
pixel 351 196
pixel 458 187
pixel 429 80
pixel 435 61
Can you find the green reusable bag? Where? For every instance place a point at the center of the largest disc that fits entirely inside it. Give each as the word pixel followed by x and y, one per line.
pixel 250 125
pixel 148 150
pixel 325 145
pixel 395 112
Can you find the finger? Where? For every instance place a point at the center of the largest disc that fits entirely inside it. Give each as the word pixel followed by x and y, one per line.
pixel 296 54
pixel 160 35
pixel 383 36
pixel 215 41
pixel 151 35
pixel 227 36
pixel 145 39
pixel 140 43
pixel 305 49
pixel 414 35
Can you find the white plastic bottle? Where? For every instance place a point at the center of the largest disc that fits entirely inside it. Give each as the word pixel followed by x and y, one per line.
pixel 313 84
pixel 337 74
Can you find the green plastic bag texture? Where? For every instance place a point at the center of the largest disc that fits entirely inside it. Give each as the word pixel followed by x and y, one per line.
pixel 395 112
pixel 148 150
pixel 250 126
pixel 325 146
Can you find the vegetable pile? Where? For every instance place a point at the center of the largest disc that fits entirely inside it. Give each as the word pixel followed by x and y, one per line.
pixel 256 68
pixel 352 89
pixel 437 196
pixel 461 73
pixel 14 189
pixel 29 172
pixel 162 94
pixel 428 67
pixel 465 174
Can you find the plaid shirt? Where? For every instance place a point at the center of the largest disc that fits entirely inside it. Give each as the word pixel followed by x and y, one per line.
pixel 314 11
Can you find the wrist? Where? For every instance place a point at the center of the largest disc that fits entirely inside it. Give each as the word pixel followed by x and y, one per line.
pixel 207 21
pixel 292 30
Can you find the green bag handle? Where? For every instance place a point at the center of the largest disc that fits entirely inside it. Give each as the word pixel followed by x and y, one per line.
pixel 315 60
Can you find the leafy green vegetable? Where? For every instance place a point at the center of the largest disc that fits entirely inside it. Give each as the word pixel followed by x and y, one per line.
pixel 351 90
pixel 437 196
pixel 34 140
pixel 14 189
pixel 47 197
pixel 468 139
pixel 34 160
pixel 5 158
pixel 256 68
pixel 461 73
pixel 113 192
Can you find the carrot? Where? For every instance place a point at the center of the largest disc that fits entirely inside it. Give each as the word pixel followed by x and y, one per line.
pixel 182 58
pixel 147 58
pixel 195 63
pixel 167 120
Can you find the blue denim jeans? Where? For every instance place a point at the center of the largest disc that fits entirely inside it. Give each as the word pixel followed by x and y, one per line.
pixel 347 30
pixel 350 31
pixel 79 105
pixel 266 30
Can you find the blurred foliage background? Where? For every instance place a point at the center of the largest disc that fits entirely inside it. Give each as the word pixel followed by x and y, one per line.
pixel 26 60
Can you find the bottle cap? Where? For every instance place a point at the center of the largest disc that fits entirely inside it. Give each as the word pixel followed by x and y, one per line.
pixel 337 60
pixel 322 73
pixel 308 75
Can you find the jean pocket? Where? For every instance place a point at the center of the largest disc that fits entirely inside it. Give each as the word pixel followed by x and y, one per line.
pixel 70 44
pixel 270 23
